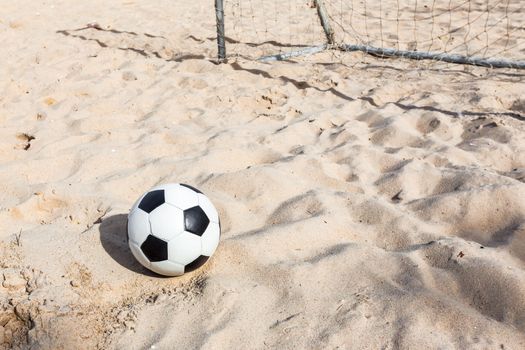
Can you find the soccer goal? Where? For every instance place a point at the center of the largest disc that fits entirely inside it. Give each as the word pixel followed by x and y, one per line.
pixel 488 33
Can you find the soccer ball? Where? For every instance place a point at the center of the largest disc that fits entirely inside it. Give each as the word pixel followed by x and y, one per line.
pixel 173 229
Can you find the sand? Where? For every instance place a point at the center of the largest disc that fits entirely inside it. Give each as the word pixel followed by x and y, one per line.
pixel 365 203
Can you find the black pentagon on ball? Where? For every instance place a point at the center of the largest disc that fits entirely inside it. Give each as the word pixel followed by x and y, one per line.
pixel 195 220
pixel 195 264
pixel 191 188
pixel 155 249
pixel 152 200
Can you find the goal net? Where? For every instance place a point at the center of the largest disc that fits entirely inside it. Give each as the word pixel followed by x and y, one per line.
pixel 467 31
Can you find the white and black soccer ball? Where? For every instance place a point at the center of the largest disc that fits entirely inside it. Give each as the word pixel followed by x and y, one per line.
pixel 173 229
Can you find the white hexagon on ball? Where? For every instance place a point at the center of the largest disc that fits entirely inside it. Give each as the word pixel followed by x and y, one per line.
pixel 185 248
pixel 167 268
pixel 139 254
pixel 136 204
pixel 208 207
pixel 138 226
pixel 210 239
pixel 173 229
pixel 182 197
pixel 166 222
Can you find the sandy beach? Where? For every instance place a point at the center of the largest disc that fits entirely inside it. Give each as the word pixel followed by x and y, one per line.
pixel 365 203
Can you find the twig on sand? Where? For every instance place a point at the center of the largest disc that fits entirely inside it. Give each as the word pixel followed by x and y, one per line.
pixel 17 238
pixel 97 221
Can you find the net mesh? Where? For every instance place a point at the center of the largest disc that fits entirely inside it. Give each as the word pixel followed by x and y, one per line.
pixel 482 28
pixel 255 28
